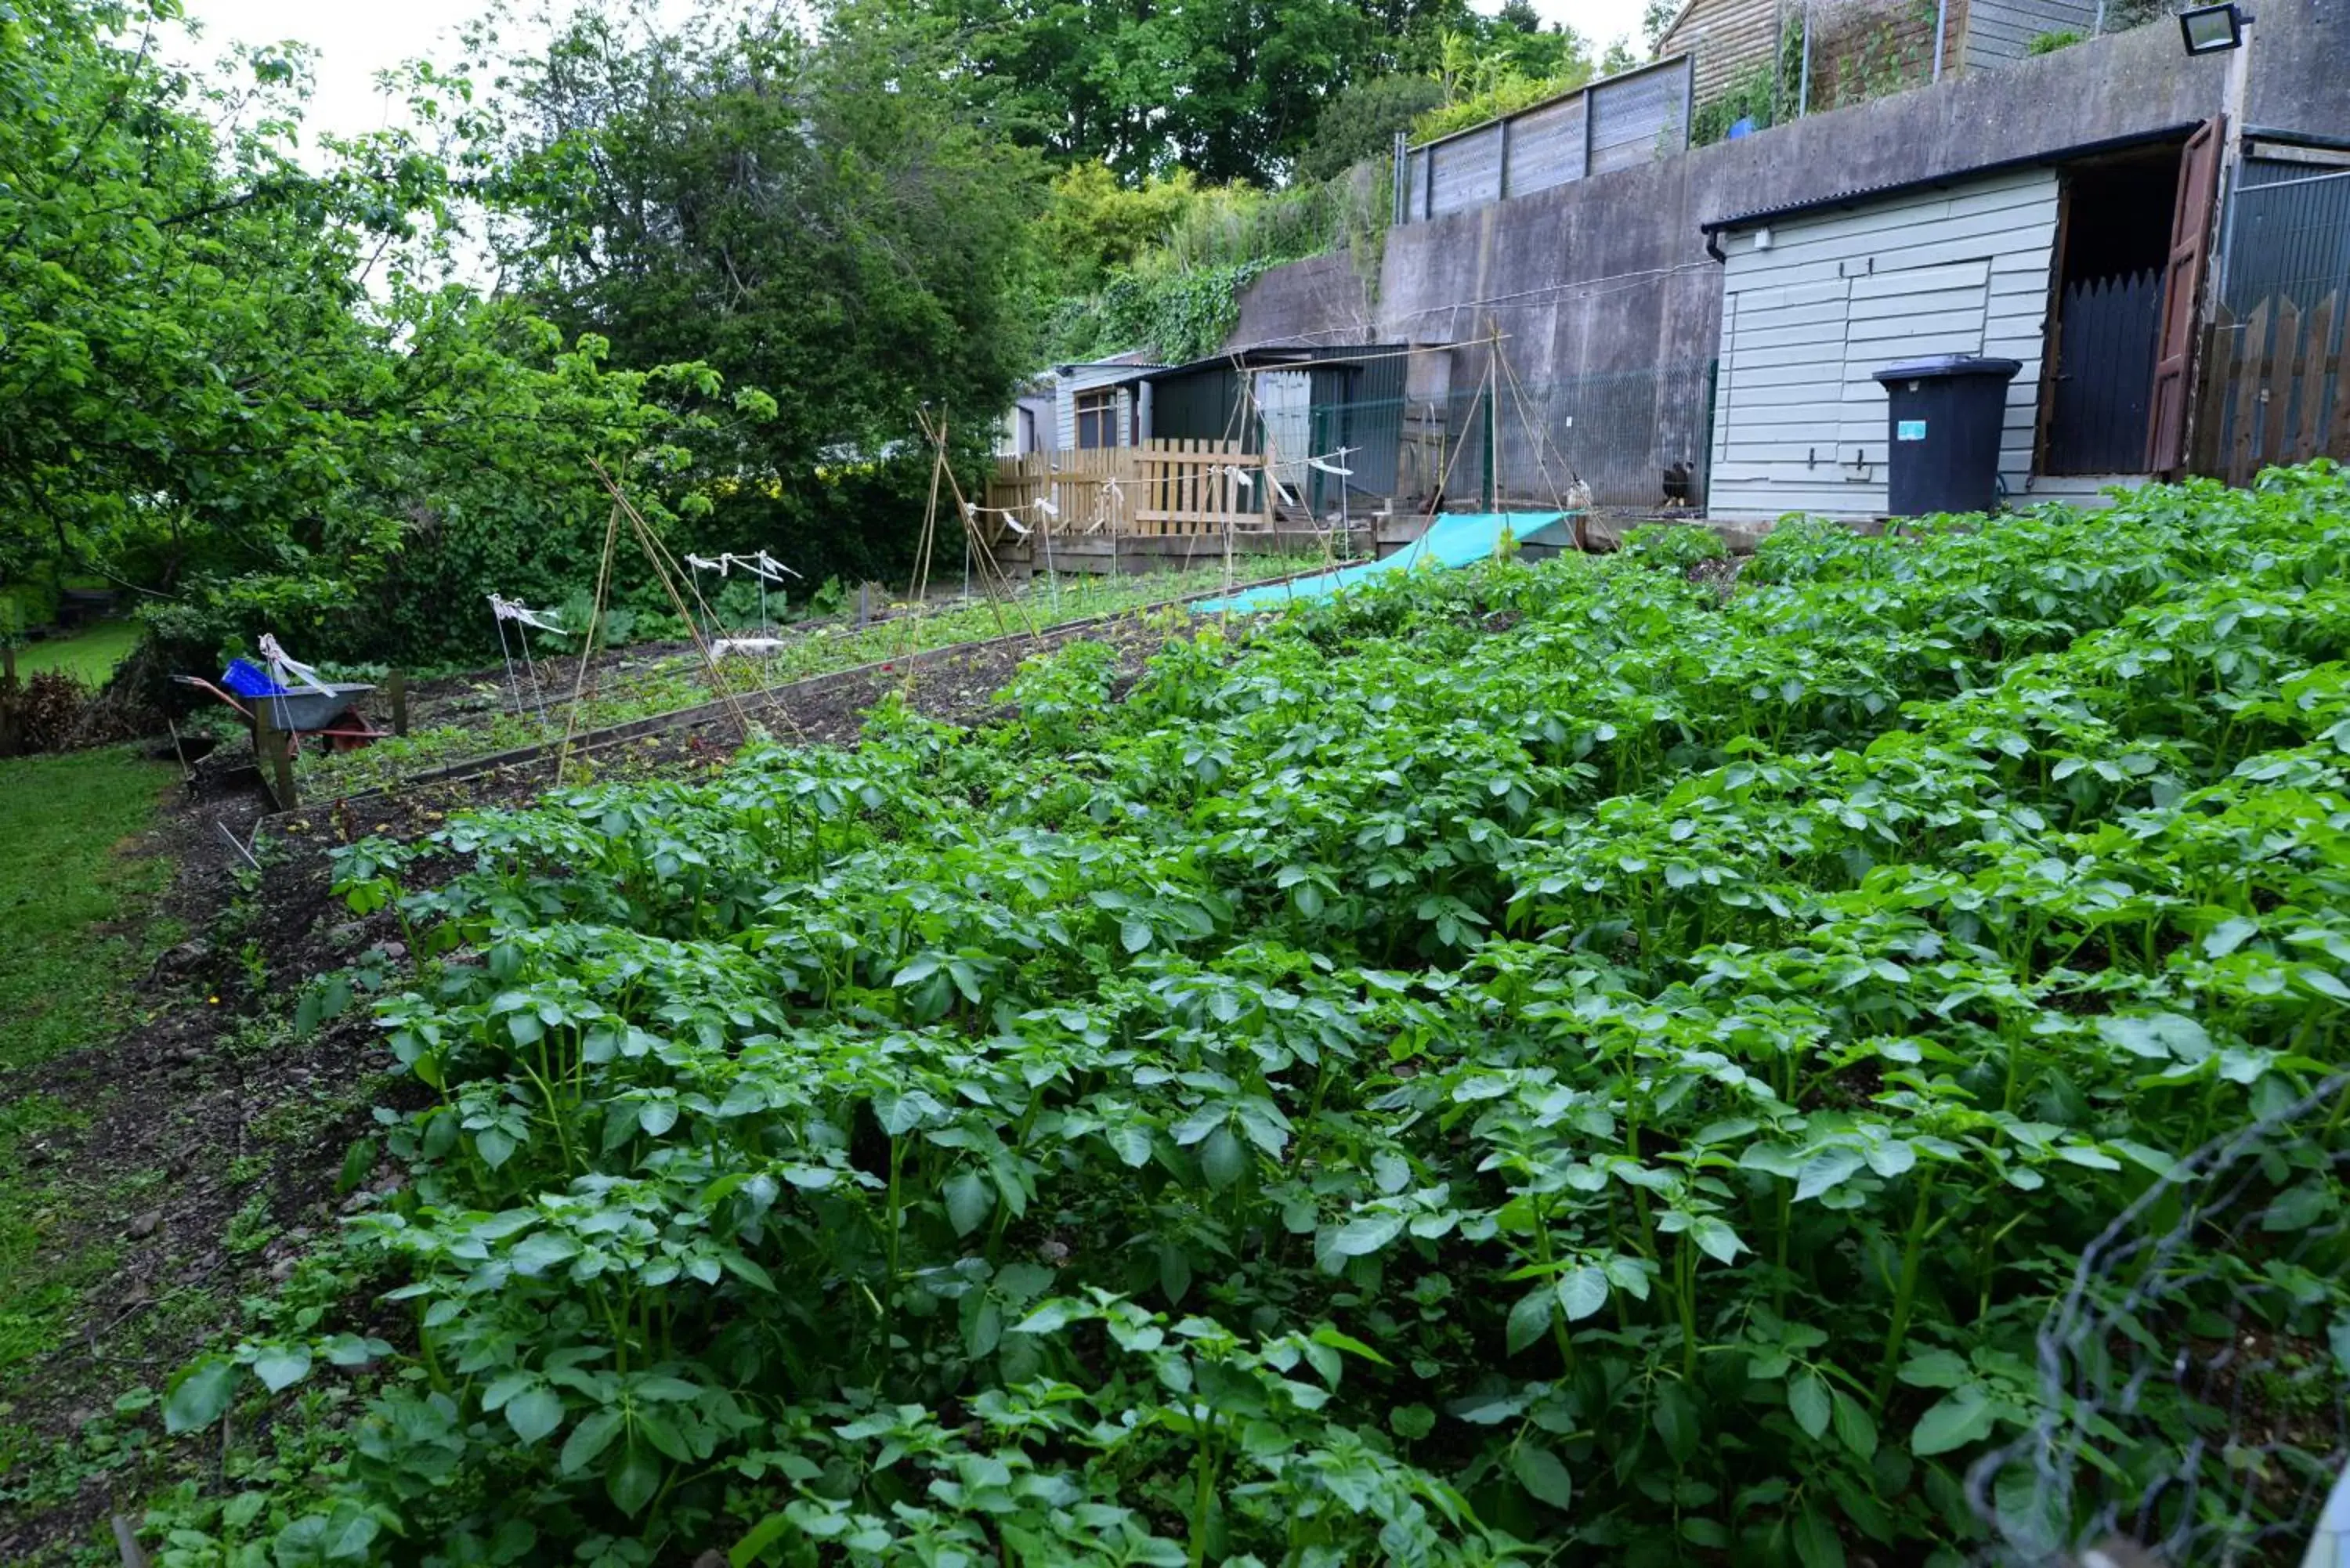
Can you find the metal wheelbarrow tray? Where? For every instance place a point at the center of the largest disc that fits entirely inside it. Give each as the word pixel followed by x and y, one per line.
pixel 303 710
pixel 299 712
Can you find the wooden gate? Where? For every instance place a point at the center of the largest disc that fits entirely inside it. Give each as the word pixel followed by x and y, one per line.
pixel 2277 388
pixel 1159 487
pixel 2104 374
pixel 1200 487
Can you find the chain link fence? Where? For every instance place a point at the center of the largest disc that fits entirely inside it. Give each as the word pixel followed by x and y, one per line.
pixel 2190 1381
pixel 1630 441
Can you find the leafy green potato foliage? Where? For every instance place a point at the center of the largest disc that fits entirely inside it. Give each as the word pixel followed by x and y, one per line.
pixel 1536 1060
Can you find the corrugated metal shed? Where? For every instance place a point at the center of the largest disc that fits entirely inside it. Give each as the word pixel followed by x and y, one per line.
pixel 2288 234
pixel 1799 425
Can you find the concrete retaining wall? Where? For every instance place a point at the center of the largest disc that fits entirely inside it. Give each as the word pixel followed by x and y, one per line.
pixel 1611 275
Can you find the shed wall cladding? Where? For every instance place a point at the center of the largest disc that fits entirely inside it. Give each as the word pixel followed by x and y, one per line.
pixel 1998 31
pixel 1799 425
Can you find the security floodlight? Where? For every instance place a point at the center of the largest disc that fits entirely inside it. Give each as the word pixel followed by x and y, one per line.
pixel 2213 29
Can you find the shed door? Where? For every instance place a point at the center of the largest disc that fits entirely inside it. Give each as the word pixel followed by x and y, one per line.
pixel 2191 237
pixel 1285 403
pixel 1904 313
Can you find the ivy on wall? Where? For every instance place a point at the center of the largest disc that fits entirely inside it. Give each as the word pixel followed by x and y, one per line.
pixel 1180 298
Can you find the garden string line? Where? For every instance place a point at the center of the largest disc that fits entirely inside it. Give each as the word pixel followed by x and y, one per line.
pixel 503 610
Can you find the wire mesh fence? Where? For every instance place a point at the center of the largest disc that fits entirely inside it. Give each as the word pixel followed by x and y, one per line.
pixel 2190 1381
pixel 1631 440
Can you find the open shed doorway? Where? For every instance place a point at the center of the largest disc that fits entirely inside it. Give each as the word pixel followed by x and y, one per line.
pixel 2113 239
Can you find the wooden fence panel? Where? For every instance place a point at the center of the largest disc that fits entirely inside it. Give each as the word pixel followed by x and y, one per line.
pixel 1198 486
pixel 2311 439
pixel 2276 395
pixel 1160 487
pixel 2250 384
pixel 2277 389
pixel 1091 491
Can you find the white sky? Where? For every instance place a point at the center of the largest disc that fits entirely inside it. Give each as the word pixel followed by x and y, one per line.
pixel 357 38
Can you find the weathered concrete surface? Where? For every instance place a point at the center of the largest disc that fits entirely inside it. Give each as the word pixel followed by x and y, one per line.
pixel 2300 58
pixel 1611 274
pixel 1325 299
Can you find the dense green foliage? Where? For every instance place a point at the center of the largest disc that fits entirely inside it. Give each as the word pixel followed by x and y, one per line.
pixel 1156 261
pixel 242 386
pixel 1161 266
pixel 252 392
pixel 799 214
pixel 1360 122
pixel 736 255
pixel 1540 1054
pixel 1229 90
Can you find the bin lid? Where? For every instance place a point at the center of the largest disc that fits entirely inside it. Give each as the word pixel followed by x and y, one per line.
pixel 1937 365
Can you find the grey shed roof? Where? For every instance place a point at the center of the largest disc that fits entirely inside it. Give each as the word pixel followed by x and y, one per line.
pixel 1864 195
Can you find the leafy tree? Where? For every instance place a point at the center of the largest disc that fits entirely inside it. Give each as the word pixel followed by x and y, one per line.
pixel 1361 121
pixel 805 215
pixel 246 389
pixel 1655 18
pixel 1227 89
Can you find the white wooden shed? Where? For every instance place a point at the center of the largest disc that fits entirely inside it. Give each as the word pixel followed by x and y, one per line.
pixel 2061 267
pixel 1095 402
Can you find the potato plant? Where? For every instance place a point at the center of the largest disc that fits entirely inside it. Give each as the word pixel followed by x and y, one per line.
pixel 1543 1064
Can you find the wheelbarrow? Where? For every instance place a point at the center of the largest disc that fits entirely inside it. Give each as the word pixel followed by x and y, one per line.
pixel 301 713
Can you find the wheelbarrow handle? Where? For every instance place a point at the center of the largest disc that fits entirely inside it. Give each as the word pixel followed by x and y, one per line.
pixel 200 684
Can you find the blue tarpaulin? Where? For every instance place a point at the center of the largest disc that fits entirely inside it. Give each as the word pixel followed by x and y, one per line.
pixel 1453 539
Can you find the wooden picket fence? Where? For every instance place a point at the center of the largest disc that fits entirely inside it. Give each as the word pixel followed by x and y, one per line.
pixel 2277 388
pixel 1162 487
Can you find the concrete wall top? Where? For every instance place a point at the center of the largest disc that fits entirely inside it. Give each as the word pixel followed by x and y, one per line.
pixel 1321 300
pixel 1611 275
pixel 2300 50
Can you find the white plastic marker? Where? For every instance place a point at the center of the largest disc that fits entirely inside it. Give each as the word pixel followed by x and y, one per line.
pixel 1343 473
pixel 510 610
pixel 282 665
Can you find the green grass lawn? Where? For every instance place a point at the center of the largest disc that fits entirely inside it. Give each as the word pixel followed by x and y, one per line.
pixel 89 654
pixel 78 922
pixel 76 912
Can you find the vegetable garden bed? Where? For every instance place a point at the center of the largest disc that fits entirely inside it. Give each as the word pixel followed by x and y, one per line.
pixel 1538 1060
pixel 493 719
